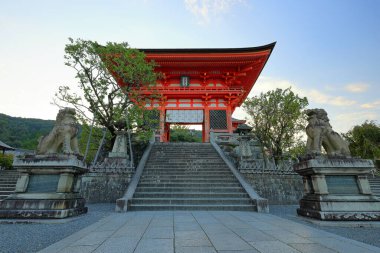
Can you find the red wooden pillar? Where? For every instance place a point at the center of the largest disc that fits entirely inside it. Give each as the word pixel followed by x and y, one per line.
pixel 206 125
pixel 167 132
pixel 162 125
pixel 229 119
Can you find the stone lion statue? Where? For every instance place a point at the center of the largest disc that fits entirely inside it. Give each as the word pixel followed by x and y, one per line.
pixel 320 134
pixel 63 137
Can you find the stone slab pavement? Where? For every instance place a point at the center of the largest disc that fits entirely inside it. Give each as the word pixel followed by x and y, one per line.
pixel 203 232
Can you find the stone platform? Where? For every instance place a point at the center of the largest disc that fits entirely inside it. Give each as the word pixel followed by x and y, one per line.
pixel 48 187
pixel 204 231
pixel 337 188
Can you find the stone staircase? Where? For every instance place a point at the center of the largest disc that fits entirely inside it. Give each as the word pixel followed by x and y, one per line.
pixel 374 182
pixel 188 176
pixel 8 180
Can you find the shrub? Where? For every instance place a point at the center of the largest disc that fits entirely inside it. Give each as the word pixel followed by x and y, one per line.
pixel 6 161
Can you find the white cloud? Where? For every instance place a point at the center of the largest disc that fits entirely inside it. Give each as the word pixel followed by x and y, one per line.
pixel 321 98
pixel 265 84
pixel 359 116
pixel 357 87
pixel 204 10
pixel 342 111
pixel 345 121
pixel 375 104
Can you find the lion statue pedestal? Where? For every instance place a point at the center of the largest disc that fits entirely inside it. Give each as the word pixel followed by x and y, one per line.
pixel 49 182
pixel 335 184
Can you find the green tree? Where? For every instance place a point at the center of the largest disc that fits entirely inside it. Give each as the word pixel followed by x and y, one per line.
pixel 180 133
pixel 99 71
pixel 277 119
pixel 297 149
pixel 6 161
pixel 364 140
pixel 22 132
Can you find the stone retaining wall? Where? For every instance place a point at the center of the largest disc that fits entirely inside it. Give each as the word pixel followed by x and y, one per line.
pixel 278 189
pixel 104 187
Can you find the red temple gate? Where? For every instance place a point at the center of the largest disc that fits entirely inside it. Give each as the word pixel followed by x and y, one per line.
pixel 203 86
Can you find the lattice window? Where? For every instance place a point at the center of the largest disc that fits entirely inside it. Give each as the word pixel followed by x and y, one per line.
pixel 218 119
pixel 151 119
pixel 184 116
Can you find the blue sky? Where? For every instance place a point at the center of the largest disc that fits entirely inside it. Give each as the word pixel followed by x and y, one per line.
pixel 326 50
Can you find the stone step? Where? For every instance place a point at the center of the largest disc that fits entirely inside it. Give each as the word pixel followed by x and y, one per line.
pixel 192 201
pixel 186 162
pixel 183 176
pixel 189 162
pixel 204 189
pixel 185 166
pixel 189 194
pixel 8 181
pixel 200 150
pixel 173 145
pixel 5 192
pixel 189 185
pixel 194 175
pixel 188 177
pixel 182 167
pixel 184 150
pixel 189 180
pixel 179 155
pixel 7 187
pixel 186 172
pixel 176 155
pixel 375 185
pixel 186 169
pixel 2 177
pixel 205 207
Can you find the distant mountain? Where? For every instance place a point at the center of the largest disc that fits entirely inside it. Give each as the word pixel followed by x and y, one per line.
pixel 23 133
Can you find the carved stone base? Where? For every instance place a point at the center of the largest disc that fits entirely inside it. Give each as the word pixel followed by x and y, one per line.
pixel 20 208
pixel 361 209
pixel 337 188
pixel 48 187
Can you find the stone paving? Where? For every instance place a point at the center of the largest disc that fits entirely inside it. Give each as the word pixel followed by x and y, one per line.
pixel 204 232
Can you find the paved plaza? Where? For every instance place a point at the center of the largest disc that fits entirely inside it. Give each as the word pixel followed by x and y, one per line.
pixel 203 232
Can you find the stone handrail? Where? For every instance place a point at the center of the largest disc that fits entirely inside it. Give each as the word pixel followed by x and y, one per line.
pixel 261 203
pixel 122 203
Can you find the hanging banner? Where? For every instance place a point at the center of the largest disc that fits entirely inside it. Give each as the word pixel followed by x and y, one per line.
pixel 184 116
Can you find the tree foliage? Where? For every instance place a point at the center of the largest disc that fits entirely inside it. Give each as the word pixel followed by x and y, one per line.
pixel 6 161
pixel 22 132
pixel 277 119
pixel 180 133
pixel 364 140
pixel 99 93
